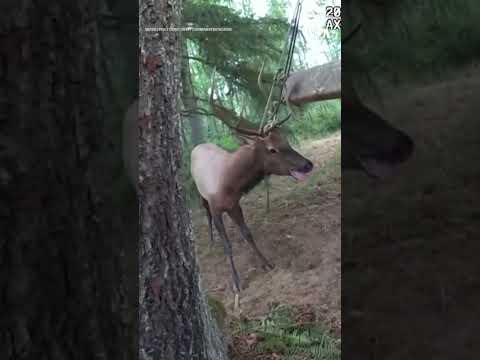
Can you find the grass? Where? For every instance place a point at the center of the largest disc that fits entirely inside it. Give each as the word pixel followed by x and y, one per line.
pixel 280 333
pixel 327 175
pixel 316 120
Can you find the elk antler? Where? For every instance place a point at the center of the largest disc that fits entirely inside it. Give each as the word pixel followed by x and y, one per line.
pixel 233 121
pixel 280 123
pixel 238 123
pixel 229 117
pixel 259 80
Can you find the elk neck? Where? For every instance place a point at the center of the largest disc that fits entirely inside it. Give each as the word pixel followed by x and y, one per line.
pixel 248 169
pixel 254 181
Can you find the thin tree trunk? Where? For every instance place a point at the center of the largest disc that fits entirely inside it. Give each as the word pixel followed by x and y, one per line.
pixel 174 319
pixel 62 294
pixel 189 101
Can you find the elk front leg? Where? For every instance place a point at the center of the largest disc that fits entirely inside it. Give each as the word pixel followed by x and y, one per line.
pixel 218 221
pixel 209 217
pixel 236 214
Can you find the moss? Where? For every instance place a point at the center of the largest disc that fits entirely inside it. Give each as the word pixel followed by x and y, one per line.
pixel 273 344
pixel 217 309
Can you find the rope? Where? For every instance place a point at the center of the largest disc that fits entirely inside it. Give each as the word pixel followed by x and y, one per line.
pixel 282 74
pixel 279 80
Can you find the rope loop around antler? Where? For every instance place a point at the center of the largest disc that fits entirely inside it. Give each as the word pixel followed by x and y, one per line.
pixel 281 75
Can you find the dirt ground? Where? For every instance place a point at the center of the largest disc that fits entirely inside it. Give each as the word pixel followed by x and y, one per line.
pixel 300 235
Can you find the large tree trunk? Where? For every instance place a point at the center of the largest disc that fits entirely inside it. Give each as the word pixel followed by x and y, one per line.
pixel 322 82
pixel 174 319
pixel 62 293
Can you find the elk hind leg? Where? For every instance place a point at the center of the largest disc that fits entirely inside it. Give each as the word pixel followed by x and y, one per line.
pixel 227 246
pixel 236 214
pixel 209 217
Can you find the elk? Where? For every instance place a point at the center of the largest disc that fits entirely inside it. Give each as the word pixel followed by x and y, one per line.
pixel 369 142
pixel 223 177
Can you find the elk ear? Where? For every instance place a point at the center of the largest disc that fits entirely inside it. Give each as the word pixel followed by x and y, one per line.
pixel 273 135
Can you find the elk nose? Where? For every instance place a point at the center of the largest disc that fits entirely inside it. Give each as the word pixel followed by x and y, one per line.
pixel 308 166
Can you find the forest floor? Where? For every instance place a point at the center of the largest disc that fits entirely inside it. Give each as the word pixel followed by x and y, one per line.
pixel 300 235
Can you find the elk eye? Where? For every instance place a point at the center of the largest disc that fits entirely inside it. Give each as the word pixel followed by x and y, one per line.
pixel 273 151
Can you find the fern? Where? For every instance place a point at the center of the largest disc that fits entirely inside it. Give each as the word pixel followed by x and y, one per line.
pixel 281 335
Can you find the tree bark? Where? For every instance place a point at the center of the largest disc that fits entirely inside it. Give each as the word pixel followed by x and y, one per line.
pixel 174 319
pixel 62 288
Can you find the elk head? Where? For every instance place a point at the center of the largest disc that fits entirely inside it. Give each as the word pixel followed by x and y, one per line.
pixel 270 143
pixel 369 142
pixel 278 157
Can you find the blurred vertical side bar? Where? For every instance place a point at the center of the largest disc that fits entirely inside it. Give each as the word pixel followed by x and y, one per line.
pixel 410 175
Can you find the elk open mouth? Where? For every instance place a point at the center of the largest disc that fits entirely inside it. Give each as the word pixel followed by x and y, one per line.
pixel 300 175
pixel 377 168
pixel 387 163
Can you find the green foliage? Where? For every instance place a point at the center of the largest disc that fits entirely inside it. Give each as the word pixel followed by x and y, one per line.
pixel 411 40
pixel 282 335
pixel 238 55
pixel 277 8
pixel 317 120
pixel 333 40
pixel 237 58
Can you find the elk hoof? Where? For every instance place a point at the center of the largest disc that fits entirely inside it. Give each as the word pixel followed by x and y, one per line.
pixel 237 284
pixel 268 267
pixel 237 288
pixel 236 303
